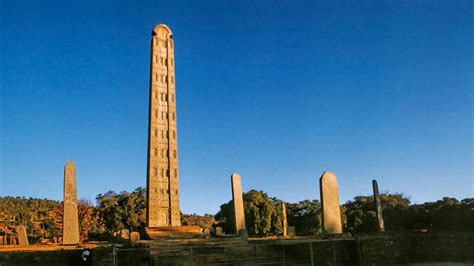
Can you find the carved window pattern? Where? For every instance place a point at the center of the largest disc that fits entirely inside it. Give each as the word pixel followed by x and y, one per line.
pixel 156 132
pixel 174 154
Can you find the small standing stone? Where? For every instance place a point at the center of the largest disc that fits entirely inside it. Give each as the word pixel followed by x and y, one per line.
pixel 207 231
pixel 22 236
pixel 331 212
pixel 125 234
pixel 134 237
pixel 70 216
pixel 238 202
pixel 219 231
pixel 378 206
pixel 284 220
pixel 291 231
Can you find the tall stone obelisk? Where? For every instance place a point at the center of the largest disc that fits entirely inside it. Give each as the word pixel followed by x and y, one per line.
pixel 378 206
pixel 70 215
pixel 239 215
pixel 284 219
pixel 331 212
pixel 162 171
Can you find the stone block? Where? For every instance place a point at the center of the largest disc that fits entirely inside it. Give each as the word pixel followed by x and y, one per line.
pixel 134 237
pixel 125 234
pixel 291 231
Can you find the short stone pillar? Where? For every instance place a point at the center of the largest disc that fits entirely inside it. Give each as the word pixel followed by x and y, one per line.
pixel 70 215
pixel 134 237
pixel 243 233
pixel 238 203
pixel 219 231
pixel 378 206
pixel 125 234
pixel 291 231
pixel 331 212
pixel 22 236
pixel 284 220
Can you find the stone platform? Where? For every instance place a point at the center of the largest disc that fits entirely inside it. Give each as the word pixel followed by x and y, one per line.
pixel 188 231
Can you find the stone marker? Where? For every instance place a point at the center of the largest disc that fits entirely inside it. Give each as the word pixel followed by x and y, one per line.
pixel 219 231
pixel 125 234
pixel 134 237
pixel 70 217
pixel 22 236
pixel 331 212
pixel 378 205
pixel 243 233
pixel 207 231
pixel 238 202
pixel 291 231
pixel 283 218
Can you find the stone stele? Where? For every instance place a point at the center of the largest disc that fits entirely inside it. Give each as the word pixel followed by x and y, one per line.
pixel 162 176
pixel 378 205
pixel 70 217
pixel 331 212
pixel 284 220
pixel 238 202
pixel 134 237
pixel 22 237
pixel 125 234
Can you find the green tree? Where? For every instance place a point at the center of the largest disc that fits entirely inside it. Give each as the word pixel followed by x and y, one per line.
pixel 305 216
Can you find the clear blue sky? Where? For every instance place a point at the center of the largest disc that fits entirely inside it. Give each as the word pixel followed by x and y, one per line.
pixel 277 91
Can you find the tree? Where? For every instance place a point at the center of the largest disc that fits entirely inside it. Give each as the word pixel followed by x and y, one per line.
pixel 261 216
pixel 305 216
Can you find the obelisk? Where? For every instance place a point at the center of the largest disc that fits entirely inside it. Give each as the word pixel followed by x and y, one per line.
pixel 162 173
pixel 378 206
pixel 331 212
pixel 284 220
pixel 239 215
pixel 70 215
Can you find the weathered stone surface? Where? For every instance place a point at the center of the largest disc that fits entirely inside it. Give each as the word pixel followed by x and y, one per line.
pixel 207 231
pixel 284 220
pixel 134 237
pixel 238 202
pixel 219 231
pixel 243 233
pixel 378 206
pixel 125 234
pixel 162 175
pixel 331 212
pixel 70 215
pixel 22 236
pixel 291 231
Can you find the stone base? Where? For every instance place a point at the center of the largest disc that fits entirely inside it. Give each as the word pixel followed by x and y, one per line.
pixel 188 231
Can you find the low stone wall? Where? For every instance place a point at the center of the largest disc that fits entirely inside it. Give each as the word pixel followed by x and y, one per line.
pixel 416 248
pixel 386 249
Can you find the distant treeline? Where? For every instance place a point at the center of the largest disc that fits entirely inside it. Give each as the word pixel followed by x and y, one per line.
pixel 127 210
